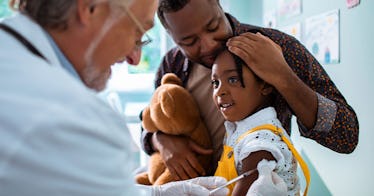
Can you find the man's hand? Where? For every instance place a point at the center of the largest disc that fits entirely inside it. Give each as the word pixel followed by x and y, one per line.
pixel 262 55
pixel 265 58
pixel 179 154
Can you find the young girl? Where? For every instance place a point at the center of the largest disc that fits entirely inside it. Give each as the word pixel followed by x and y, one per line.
pixel 252 131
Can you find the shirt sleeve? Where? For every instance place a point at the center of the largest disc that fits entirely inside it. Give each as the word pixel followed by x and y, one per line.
pixel 325 117
pixel 267 141
pixel 146 143
pixel 286 166
pixel 336 126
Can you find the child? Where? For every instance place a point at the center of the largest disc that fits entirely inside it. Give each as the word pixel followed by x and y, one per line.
pixel 245 100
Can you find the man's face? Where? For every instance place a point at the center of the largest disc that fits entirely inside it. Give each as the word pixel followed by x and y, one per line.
pixel 200 29
pixel 116 39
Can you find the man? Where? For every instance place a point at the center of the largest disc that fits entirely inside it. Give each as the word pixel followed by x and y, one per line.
pixel 200 28
pixel 56 136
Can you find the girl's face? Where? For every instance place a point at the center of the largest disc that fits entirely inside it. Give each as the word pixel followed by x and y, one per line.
pixel 233 100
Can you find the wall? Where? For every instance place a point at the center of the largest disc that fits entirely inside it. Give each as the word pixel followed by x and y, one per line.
pixel 248 11
pixel 350 174
pixel 342 174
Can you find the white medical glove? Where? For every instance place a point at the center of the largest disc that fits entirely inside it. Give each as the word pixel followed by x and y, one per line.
pixel 268 183
pixel 199 186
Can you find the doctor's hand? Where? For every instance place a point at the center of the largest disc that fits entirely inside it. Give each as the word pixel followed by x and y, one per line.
pixel 179 154
pixel 198 186
pixel 268 182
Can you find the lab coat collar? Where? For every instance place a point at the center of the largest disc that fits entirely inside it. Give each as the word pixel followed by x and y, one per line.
pixel 35 34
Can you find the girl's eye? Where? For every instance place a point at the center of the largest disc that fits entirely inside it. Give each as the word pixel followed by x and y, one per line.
pixel 215 83
pixel 233 80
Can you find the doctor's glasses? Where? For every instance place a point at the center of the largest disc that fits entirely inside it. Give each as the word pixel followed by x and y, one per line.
pixel 146 39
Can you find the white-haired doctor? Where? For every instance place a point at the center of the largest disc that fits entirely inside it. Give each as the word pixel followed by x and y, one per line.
pixel 56 136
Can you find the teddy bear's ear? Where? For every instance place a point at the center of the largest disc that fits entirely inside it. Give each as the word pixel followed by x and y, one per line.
pixel 171 78
pixel 147 121
pixel 167 103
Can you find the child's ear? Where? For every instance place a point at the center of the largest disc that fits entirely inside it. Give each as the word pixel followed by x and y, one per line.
pixel 266 89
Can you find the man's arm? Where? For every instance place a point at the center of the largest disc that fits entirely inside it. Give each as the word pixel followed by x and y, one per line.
pixel 165 67
pixel 322 112
pixel 178 152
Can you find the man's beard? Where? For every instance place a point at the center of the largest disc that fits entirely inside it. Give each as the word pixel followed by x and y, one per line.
pixel 92 76
pixel 95 79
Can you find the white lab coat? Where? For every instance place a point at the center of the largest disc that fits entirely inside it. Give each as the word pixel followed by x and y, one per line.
pixel 56 136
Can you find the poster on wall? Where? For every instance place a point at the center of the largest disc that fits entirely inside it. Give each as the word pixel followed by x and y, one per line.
pixel 270 20
pixel 288 9
pixel 322 37
pixel 293 30
pixel 352 3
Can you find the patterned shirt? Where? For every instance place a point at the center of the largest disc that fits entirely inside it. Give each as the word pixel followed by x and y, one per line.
pixel 336 126
pixel 266 140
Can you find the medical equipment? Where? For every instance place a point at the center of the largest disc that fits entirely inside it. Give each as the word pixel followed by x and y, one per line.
pixel 245 174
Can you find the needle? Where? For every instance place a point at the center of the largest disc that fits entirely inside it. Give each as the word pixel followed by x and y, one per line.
pixel 245 174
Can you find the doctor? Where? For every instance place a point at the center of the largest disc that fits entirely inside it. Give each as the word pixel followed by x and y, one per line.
pixel 56 136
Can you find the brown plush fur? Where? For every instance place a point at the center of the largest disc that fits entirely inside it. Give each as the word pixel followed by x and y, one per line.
pixel 173 110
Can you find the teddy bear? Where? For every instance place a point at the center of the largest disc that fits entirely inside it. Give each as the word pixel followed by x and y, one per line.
pixel 172 110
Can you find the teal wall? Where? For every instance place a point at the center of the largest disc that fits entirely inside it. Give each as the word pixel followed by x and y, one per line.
pixel 248 11
pixel 333 173
pixel 4 8
pixel 350 174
